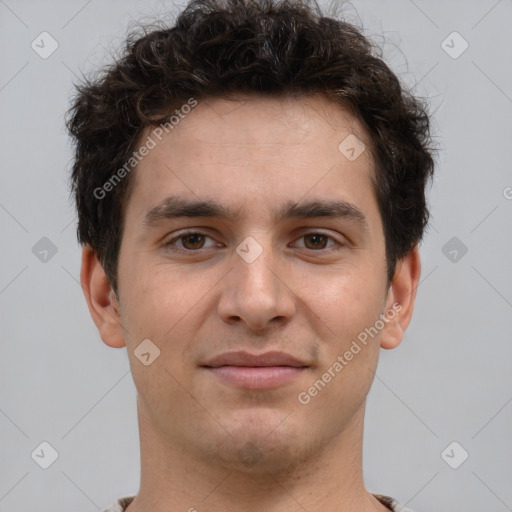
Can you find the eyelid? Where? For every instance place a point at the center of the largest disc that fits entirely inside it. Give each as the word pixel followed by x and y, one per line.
pixel 183 233
pixel 301 234
pixel 312 231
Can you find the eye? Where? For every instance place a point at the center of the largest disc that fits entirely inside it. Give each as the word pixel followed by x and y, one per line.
pixel 318 241
pixel 190 241
pixel 194 241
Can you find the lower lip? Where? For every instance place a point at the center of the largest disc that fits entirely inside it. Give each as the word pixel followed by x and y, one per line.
pixel 262 377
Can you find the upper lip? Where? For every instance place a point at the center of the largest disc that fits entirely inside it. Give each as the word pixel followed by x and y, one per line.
pixel 242 358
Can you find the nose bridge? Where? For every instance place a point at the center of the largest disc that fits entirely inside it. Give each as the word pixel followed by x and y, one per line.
pixel 255 263
pixel 255 292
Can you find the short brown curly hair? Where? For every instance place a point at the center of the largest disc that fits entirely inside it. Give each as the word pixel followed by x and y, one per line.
pixel 220 48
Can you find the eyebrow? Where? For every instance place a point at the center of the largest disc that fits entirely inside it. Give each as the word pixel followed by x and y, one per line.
pixel 176 207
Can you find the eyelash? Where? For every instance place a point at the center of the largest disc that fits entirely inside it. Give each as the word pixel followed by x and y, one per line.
pixel 170 243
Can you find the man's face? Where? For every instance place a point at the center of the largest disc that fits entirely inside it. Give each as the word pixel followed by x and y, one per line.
pixel 202 288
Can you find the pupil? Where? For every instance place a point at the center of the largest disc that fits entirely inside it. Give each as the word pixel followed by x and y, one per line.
pixel 195 239
pixel 315 239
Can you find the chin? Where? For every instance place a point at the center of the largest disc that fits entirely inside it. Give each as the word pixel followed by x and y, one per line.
pixel 263 441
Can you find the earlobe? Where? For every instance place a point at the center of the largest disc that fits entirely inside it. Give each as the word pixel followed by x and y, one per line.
pixel 101 300
pixel 400 300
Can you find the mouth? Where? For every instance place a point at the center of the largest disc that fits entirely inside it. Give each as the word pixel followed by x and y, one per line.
pixel 252 371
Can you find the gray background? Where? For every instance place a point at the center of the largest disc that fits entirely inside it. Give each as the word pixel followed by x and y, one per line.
pixel 450 380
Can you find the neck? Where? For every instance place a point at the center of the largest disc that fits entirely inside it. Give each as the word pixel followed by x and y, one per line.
pixel 331 480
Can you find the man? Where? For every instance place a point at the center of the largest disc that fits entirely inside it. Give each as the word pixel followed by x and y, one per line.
pixel 250 186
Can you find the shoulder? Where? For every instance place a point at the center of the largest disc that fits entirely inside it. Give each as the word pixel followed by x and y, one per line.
pixel 120 504
pixel 391 503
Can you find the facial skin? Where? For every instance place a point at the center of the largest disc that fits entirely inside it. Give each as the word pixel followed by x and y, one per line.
pixel 308 296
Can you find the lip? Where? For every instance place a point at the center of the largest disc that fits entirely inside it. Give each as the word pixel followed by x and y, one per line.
pixel 242 358
pixel 255 371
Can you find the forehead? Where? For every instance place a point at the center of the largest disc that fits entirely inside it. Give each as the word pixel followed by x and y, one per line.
pixel 255 147
pixel 268 121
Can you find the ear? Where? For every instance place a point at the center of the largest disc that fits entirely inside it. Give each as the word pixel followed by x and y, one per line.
pixel 400 299
pixel 101 299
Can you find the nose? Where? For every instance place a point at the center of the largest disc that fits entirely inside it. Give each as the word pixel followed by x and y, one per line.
pixel 258 293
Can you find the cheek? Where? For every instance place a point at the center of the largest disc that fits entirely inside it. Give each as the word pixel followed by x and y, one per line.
pixel 155 307
pixel 166 304
pixel 347 301
pixel 148 298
